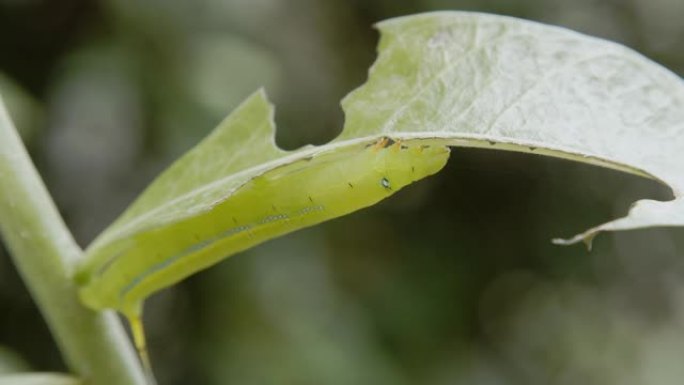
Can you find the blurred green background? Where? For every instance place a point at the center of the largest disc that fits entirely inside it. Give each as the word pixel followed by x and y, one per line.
pixel 451 281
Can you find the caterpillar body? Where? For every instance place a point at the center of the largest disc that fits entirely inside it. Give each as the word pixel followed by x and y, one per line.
pixel 294 196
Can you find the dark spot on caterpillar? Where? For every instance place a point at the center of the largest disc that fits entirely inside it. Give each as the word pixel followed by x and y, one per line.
pixel 388 142
pixel 425 146
pixel 384 182
pixel 350 185
pixel 532 148
pixel 404 147
pixel 491 142
pixel 413 169
pixel 310 199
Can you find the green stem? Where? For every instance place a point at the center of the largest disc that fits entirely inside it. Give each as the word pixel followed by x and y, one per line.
pixel 94 345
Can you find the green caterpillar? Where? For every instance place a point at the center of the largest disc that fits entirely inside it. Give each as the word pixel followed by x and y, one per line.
pixel 282 200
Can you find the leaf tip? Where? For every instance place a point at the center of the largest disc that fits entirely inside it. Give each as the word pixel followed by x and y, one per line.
pixel 587 238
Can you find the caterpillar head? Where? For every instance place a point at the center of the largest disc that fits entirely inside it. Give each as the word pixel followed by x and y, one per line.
pixel 402 163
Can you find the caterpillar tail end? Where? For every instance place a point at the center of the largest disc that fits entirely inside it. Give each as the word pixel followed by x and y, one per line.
pixel 138 332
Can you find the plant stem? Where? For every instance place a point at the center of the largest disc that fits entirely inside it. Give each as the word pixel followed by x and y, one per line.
pixel 94 345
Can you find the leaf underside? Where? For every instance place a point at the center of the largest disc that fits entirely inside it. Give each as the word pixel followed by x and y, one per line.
pixel 461 79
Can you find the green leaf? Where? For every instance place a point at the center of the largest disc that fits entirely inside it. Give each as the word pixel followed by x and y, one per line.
pixel 457 79
pixel 39 379
pixel 478 80
pixel 240 148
